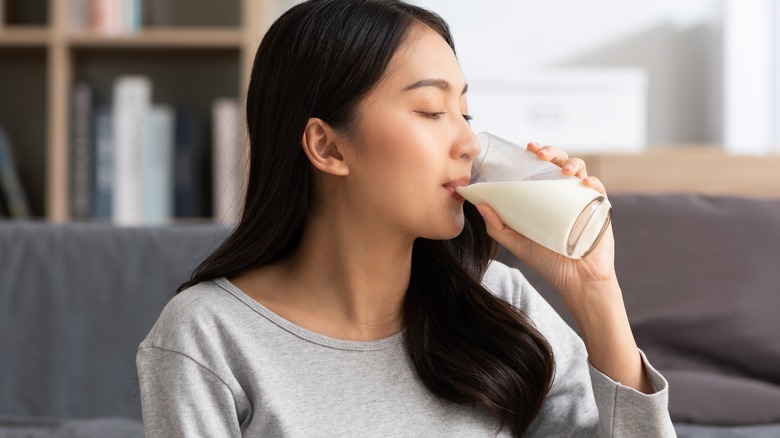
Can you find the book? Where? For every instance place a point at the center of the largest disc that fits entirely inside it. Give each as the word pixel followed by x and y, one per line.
pixel 103 181
pixel 229 161
pixel 157 166
pixel 106 16
pixel 11 188
pixel 191 170
pixel 132 15
pixel 78 15
pixel 81 151
pixel 132 101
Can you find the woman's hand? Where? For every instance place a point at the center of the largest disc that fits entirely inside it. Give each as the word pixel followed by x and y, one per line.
pixel 567 275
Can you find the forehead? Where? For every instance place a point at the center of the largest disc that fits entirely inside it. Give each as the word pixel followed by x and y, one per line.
pixel 423 55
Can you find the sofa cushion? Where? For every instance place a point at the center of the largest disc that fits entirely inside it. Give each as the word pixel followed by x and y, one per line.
pixel 75 301
pixel 701 283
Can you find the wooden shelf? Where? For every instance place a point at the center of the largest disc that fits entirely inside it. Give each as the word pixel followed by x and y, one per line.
pixel 42 58
pixel 24 36
pixel 191 38
pixel 703 169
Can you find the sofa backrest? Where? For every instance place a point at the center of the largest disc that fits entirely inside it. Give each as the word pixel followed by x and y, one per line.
pixel 75 302
pixel 701 284
pixel 700 278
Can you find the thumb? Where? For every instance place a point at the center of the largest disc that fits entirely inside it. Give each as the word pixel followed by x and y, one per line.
pixel 493 221
pixel 515 242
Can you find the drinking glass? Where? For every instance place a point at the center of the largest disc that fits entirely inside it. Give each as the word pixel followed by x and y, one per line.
pixel 535 198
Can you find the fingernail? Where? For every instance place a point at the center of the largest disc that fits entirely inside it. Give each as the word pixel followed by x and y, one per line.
pixel 479 209
pixel 568 167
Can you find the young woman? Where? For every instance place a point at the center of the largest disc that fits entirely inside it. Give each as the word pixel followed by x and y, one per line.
pixel 357 297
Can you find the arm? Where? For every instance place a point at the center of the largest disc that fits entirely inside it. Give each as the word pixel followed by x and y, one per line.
pixel 590 290
pixel 582 400
pixel 181 398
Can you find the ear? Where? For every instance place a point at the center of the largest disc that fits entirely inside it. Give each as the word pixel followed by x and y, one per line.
pixel 320 143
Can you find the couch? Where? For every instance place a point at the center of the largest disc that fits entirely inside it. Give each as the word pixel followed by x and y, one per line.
pixel 700 276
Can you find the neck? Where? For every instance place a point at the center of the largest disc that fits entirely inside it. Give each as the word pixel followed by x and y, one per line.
pixel 356 277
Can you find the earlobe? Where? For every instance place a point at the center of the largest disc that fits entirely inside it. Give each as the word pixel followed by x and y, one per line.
pixel 319 142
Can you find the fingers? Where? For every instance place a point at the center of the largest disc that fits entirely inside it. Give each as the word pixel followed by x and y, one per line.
pixel 549 153
pixel 516 243
pixel 495 226
pixel 596 184
pixel 575 167
pixel 571 166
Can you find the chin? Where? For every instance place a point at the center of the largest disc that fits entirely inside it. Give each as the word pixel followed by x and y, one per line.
pixel 451 231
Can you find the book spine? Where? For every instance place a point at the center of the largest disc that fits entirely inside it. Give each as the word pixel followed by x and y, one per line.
pixel 132 13
pixel 104 164
pixel 189 175
pixel 78 15
pixel 158 166
pixel 81 152
pixel 106 16
pixel 132 99
pixel 228 147
pixel 10 183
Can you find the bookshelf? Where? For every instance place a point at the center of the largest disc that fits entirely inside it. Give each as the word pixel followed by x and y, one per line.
pixel 194 51
pixel 197 50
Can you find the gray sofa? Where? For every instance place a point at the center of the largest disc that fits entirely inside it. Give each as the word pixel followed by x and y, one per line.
pixel 701 280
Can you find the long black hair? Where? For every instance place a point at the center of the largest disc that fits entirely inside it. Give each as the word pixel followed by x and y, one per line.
pixel 319 59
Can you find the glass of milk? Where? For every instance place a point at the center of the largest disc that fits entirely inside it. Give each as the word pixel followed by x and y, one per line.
pixel 535 198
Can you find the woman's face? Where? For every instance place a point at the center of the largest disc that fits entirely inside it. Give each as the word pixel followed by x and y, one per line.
pixel 412 143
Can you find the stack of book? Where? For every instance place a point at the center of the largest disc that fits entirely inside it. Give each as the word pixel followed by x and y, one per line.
pixel 109 17
pixel 139 163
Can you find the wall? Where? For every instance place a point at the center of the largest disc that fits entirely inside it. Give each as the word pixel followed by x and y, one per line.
pixel 677 43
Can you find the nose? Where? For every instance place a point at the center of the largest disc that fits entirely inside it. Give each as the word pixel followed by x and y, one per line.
pixel 470 147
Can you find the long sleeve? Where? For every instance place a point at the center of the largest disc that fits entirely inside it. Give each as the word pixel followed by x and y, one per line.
pixel 582 401
pixel 624 411
pixel 181 398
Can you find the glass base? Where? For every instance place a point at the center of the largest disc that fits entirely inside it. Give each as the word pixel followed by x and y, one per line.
pixel 589 228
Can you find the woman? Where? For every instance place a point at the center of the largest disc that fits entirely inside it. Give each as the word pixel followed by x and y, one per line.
pixel 356 297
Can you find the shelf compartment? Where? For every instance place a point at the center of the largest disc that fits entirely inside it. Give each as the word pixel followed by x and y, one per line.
pixel 23 82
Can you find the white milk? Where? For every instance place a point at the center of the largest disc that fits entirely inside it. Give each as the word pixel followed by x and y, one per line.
pixel 545 211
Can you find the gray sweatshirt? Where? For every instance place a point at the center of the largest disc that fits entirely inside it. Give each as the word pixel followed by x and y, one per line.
pixel 219 364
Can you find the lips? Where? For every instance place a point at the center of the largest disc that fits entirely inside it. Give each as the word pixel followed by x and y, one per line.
pixel 454 184
pixel 457 182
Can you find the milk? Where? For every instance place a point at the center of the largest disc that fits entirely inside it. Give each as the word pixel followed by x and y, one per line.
pixel 546 211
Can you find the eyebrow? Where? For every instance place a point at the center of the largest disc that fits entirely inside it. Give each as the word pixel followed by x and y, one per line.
pixel 438 83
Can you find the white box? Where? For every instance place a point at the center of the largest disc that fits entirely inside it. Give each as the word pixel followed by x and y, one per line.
pixel 578 110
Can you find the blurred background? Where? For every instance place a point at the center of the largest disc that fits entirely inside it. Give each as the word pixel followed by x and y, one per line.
pixel 687 91
pixel 700 67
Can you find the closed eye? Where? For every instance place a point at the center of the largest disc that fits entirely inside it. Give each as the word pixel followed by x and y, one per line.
pixel 432 115
pixel 468 117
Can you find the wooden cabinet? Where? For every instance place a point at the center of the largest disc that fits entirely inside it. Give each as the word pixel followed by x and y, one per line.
pixel 193 50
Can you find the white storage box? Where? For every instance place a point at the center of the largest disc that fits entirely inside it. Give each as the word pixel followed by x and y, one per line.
pixel 580 111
